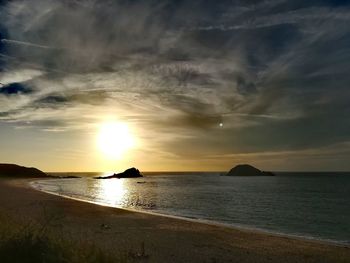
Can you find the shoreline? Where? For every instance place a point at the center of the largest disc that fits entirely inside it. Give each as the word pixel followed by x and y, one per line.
pixel 248 229
pixel 163 239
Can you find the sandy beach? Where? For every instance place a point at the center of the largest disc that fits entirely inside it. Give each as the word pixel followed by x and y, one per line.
pixel 157 238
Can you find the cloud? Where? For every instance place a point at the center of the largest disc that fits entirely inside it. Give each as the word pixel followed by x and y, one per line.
pixel 16 42
pixel 274 72
pixel 15 88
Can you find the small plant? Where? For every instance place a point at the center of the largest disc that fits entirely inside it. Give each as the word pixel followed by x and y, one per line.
pixel 34 242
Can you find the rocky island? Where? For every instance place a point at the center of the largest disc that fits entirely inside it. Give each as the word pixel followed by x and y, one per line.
pixel 14 170
pixel 247 170
pixel 129 173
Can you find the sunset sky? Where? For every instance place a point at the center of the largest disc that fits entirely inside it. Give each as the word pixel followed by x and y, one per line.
pixel 187 85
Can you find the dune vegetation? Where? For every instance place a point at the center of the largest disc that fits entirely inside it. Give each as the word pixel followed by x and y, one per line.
pixel 44 241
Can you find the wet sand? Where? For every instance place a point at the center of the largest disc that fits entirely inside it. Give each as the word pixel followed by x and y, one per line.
pixel 160 239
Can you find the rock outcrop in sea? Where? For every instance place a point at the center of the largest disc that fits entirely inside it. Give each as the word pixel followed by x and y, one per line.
pixel 14 170
pixel 129 173
pixel 247 170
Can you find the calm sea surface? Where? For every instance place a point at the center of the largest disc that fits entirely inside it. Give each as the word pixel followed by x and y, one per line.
pixel 313 205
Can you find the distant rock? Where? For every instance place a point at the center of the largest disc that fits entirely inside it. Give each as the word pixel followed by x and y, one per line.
pixel 14 170
pixel 69 177
pixel 267 173
pixel 247 170
pixel 59 176
pixel 129 173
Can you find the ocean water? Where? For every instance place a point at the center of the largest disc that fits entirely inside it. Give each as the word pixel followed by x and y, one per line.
pixel 311 205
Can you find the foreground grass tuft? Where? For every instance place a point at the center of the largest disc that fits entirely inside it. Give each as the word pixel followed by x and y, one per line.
pixel 28 247
pixel 34 243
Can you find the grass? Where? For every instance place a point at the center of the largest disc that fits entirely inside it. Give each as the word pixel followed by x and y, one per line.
pixel 31 241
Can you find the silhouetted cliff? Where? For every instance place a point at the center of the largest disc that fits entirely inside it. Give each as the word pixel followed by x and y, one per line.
pixel 14 170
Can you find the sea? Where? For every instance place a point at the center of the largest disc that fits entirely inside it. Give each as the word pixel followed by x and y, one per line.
pixel 308 205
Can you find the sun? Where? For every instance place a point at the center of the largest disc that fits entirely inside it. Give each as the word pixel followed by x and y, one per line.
pixel 114 139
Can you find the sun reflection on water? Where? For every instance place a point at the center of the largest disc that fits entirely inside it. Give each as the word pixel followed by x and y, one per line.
pixel 113 191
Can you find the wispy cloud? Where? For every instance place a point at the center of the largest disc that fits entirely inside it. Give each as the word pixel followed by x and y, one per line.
pixel 274 72
pixel 28 44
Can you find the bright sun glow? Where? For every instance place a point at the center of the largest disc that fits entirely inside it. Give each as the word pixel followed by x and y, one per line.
pixel 114 139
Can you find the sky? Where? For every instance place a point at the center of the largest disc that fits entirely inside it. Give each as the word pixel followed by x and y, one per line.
pixel 201 85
